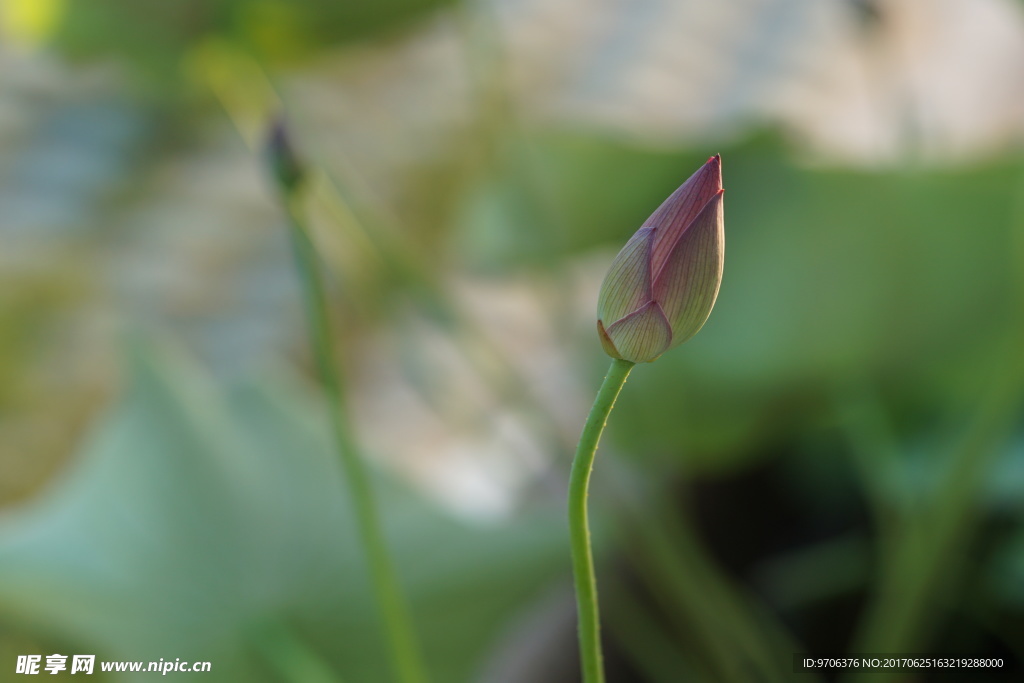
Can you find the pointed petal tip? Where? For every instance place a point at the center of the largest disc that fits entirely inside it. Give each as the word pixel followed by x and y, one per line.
pixel 713 168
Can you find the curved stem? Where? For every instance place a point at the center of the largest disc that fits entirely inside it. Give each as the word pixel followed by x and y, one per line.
pixel 397 620
pixel 579 528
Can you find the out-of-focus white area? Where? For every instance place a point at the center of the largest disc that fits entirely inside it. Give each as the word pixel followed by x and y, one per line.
pixel 851 82
pixel 857 82
pixel 496 447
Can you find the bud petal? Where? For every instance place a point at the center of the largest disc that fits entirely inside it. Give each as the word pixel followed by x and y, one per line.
pixel 627 286
pixel 641 336
pixel 677 212
pixel 688 284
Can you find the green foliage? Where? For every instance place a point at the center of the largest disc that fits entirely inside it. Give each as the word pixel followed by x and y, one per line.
pixel 194 525
pixel 155 36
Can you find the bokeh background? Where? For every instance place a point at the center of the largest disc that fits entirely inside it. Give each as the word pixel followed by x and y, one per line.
pixel 834 464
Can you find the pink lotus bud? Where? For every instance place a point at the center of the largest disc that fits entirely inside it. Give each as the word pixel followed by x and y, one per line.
pixel 662 286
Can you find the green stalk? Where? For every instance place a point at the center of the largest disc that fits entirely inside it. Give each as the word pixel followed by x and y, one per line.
pixel 397 620
pixel 579 528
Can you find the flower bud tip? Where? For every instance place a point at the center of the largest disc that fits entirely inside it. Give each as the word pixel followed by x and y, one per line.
pixel 281 157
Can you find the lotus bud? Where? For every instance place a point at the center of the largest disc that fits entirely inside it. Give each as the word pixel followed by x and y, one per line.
pixel 662 286
pixel 281 157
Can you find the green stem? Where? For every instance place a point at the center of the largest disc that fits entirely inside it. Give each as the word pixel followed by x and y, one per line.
pixel 579 528
pixel 397 620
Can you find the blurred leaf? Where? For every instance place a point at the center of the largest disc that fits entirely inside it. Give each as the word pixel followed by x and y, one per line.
pixel 1006 480
pixel 1006 574
pixel 189 521
pixel 154 36
pixel 30 21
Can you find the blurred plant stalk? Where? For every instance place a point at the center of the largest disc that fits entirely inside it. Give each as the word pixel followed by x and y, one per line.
pixel 288 173
pixel 247 94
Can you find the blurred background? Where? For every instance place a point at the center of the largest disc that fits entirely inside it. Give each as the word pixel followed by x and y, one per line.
pixel 834 464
